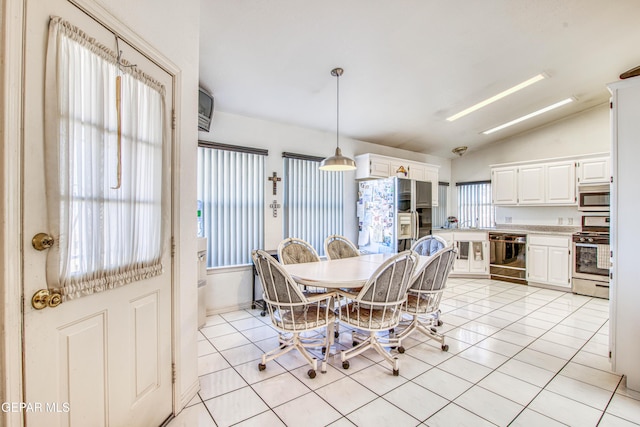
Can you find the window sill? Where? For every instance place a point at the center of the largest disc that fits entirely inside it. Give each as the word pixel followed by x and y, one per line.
pixel 229 269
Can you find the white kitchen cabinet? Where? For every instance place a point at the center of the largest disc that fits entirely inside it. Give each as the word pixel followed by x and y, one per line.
pixel 549 260
pixel 504 185
pixel 417 171
pixel 560 183
pixel 431 175
pixel 371 166
pixel 624 295
pixel 531 184
pixel 473 252
pixel 594 171
pixel 536 184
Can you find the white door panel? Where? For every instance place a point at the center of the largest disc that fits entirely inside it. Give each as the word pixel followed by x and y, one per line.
pixel 103 359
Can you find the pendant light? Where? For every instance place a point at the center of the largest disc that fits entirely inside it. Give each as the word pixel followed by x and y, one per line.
pixel 338 162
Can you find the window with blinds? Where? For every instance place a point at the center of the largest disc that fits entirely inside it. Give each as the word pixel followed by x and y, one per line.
pixel 231 182
pixel 313 200
pixel 474 204
pixel 440 211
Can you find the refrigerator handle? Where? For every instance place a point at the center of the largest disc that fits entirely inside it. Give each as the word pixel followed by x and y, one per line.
pixel 416 224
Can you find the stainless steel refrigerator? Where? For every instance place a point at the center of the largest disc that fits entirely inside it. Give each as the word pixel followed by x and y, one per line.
pixel 392 214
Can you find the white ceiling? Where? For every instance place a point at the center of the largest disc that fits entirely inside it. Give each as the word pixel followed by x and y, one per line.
pixel 409 64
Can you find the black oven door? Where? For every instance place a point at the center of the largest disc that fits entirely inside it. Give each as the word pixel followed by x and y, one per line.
pixel 591 263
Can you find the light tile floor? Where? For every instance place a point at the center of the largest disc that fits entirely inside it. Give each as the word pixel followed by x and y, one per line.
pixel 518 356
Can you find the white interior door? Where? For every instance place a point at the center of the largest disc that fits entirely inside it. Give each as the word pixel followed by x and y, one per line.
pixel 103 359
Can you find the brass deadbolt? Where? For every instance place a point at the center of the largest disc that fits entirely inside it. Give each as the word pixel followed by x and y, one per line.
pixel 45 298
pixel 42 241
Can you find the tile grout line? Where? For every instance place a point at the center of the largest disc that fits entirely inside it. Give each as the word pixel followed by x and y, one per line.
pixel 546 303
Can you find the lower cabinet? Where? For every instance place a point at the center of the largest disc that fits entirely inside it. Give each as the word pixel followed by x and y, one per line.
pixel 473 252
pixel 549 260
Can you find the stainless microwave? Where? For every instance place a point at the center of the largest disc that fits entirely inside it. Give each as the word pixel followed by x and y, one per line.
pixel 594 198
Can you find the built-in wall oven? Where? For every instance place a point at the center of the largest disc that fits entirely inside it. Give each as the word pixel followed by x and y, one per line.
pixel 508 257
pixel 592 258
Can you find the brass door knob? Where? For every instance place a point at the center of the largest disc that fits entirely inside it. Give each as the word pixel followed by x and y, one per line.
pixel 42 241
pixel 45 298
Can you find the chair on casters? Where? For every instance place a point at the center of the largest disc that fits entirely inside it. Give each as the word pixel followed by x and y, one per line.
pixel 338 247
pixel 292 313
pixel 378 307
pixel 424 295
pixel 296 251
pixel 429 245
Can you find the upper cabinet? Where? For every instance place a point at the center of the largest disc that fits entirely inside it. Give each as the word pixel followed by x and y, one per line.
pixel 371 166
pixel 546 183
pixel 504 186
pixel 531 184
pixel 594 171
pixel 560 183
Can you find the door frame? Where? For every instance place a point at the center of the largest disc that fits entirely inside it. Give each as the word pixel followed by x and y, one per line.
pixel 12 29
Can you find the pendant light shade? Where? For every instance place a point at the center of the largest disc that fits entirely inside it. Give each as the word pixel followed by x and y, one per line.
pixel 337 162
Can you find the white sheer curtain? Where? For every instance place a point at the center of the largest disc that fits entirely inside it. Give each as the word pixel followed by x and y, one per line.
pixel 104 191
pixel 313 202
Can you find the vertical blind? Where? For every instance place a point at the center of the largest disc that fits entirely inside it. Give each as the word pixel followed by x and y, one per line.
pixel 440 211
pixel 313 202
pixel 231 187
pixel 474 204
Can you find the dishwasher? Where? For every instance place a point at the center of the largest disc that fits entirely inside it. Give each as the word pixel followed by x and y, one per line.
pixel 508 257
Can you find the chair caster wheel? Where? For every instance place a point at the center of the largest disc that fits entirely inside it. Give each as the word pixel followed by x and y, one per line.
pixel 345 364
pixel 439 323
pixel 311 373
pixel 263 313
pixel 396 372
pixel 336 334
pixel 445 347
pixel 261 366
pixel 355 343
pixel 324 350
pixel 391 331
pixel 434 330
pixel 401 349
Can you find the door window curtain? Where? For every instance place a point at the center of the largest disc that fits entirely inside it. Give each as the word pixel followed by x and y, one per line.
pixel 313 200
pixel 231 185
pixel 104 170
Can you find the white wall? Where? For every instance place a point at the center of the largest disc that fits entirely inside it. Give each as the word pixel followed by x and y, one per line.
pixel 584 133
pixel 230 289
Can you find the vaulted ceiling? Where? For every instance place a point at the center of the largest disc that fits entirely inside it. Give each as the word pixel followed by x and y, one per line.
pixel 410 64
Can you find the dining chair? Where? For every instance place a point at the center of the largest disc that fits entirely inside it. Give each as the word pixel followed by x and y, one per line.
pixel 295 251
pixel 338 247
pixel 428 245
pixel 423 298
pixel 293 313
pixel 378 307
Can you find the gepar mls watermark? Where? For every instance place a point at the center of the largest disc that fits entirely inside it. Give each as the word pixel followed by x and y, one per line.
pixel 35 407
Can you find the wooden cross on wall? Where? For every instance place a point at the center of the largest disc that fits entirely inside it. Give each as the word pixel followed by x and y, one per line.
pixel 275 180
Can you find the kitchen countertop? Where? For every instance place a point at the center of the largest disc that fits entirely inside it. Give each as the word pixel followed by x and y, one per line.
pixel 520 228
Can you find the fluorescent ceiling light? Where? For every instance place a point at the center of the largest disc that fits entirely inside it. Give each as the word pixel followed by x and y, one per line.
pixel 501 95
pixel 530 115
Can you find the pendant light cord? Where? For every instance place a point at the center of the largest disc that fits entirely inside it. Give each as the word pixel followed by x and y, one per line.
pixel 337 110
